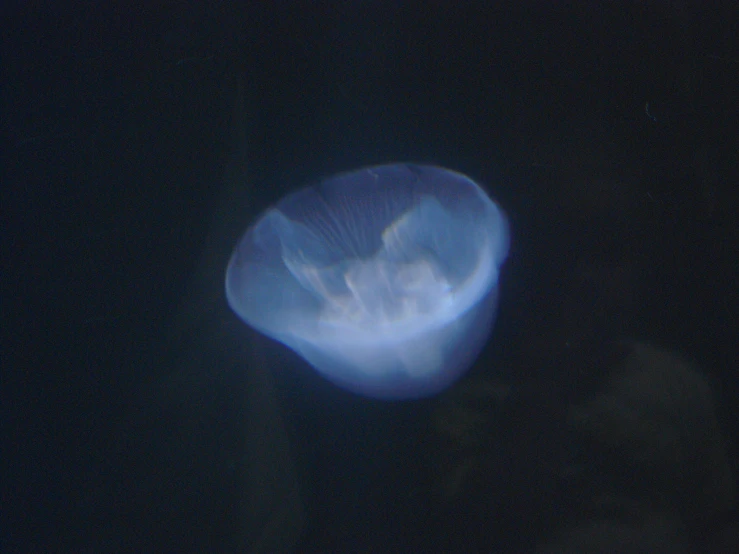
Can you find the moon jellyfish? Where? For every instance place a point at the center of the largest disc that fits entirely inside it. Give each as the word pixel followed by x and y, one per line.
pixel 384 279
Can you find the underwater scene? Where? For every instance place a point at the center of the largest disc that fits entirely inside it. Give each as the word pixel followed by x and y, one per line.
pixel 370 276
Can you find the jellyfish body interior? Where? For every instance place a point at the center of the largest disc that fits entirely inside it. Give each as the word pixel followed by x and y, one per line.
pixel 384 279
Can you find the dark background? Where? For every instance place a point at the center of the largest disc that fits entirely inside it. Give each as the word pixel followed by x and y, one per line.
pixel 607 130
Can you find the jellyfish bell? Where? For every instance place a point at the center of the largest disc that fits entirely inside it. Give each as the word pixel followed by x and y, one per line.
pixel 384 279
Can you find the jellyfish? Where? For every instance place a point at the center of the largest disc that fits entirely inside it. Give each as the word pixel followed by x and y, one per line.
pixel 384 279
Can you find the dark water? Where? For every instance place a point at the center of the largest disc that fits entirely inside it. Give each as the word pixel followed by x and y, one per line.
pixel 140 415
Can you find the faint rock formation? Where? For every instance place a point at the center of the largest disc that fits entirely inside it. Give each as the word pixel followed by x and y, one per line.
pixel 654 426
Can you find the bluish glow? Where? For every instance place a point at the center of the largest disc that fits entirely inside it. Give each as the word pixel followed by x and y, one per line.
pixel 384 279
